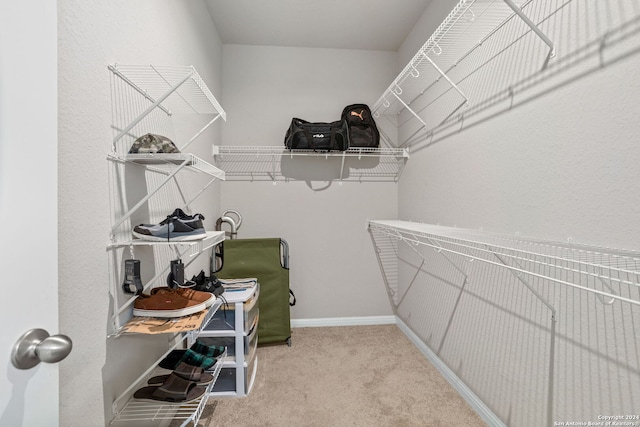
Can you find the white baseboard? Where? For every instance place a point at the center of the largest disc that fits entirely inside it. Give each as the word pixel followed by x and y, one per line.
pixel 474 401
pixel 343 321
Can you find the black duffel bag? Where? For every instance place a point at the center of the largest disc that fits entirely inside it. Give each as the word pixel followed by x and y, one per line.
pixel 303 135
pixel 363 131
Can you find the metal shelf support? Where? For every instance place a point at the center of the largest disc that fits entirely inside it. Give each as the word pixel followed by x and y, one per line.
pixel 205 127
pixel 443 74
pixel 149 109
pixel 534 28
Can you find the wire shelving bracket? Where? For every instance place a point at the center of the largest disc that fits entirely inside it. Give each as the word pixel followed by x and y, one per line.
pixel 169 88
pixel 429 88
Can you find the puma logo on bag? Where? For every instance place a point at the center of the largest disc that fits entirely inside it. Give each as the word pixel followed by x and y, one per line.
pixel 353 113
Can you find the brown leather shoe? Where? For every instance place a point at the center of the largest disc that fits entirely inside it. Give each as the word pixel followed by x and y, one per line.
pixel 204 297
pixel 165 304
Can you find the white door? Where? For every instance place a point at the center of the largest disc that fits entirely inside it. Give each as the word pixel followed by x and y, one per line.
pixel 28 204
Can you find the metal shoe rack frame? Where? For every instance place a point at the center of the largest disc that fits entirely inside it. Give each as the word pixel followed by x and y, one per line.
pixel 145 99
pixel 135 411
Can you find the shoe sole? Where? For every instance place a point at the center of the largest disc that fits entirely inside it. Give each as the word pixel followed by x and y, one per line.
pixel 208 303
pixel 173 237
pixel 186 311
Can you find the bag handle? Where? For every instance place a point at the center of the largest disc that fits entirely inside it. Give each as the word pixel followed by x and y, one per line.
pixel 297 126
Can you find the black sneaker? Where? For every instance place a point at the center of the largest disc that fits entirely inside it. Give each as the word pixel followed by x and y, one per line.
pixel 178 227
pixel 207 284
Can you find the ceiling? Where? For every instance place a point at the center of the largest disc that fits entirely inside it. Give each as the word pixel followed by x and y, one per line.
pixel 337 24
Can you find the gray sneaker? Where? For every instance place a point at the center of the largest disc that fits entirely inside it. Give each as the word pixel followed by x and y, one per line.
pixel 176 227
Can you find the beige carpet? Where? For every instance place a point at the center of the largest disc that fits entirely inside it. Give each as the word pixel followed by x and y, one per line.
pixel 344 376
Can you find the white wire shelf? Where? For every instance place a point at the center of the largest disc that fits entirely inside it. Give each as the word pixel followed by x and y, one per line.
pixel 222 150
pixel 167 163
pixel 191 249
pixel 611 274
pixel 194 247
pixel 156 81
pixel 487 51
pixel 576 299
pixel 147 99
pixel 138 411
pixel 430 89
pixel 190 335
pixel 144 97
pixel 277 163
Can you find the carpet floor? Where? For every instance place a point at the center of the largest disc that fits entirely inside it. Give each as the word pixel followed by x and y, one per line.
pixel 356 376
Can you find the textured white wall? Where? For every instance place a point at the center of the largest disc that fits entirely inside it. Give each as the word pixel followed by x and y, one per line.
pixel 92 35
pixel 558 163
pixel 333 267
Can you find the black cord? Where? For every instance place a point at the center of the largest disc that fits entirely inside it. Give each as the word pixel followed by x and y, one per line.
pixel 225 307
pixel 169 222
